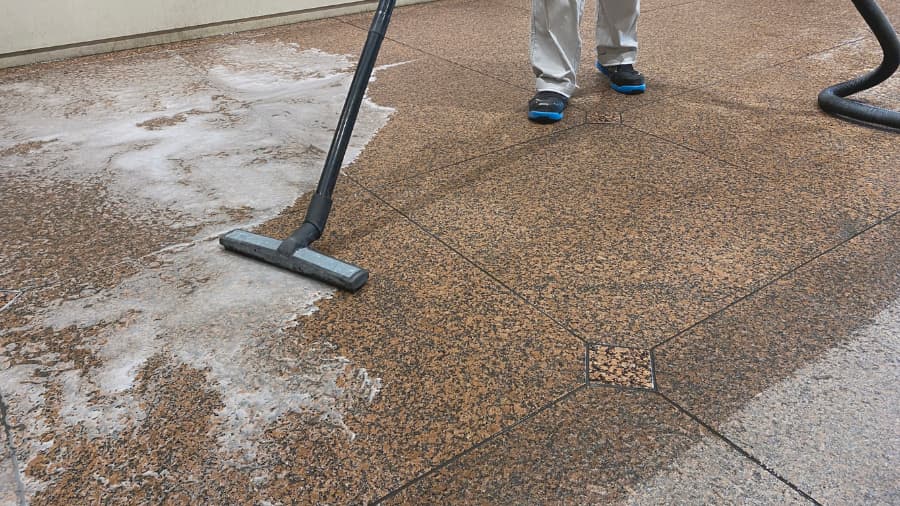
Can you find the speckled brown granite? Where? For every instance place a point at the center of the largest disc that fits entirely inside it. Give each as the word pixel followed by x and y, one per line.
pixel 624 249
pixel 770 124
pixel 619 366
pixel 621 236
pixel 596 447
pixel 720 365
pixel 439 120
pixel 459 357
pixel 53 229
pixel 438 337
pixel 23 345
pixel 747 35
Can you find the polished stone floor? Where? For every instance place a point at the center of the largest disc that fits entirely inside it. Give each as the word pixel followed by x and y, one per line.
pixel 691 296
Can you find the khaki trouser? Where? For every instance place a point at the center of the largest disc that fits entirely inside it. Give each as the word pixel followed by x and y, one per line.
pixel 556 41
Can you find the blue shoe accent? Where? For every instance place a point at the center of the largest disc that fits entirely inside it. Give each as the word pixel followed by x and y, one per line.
pixel 543 115
pixel 602 69
pixel 627 89
pixel 630 89
pixel 547 107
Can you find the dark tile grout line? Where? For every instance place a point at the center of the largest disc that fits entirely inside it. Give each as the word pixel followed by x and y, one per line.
pixel 663 98
pixel 747 168
pixel 11 448
pixel 737 76
pixel 506 430
pixel 739 449
pixel 383 185
pixel 468 260
pixel 772 281
pixel 17 294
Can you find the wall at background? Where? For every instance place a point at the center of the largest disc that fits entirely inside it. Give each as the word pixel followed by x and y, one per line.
pixel 41 30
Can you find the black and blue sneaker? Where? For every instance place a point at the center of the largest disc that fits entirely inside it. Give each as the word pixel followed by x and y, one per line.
pixel 547 107
pixel 624 78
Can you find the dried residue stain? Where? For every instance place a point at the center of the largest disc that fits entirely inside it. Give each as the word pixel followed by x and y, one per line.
pixel 228 147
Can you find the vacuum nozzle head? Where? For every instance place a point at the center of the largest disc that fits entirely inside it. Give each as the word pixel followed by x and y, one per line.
pixel 306 261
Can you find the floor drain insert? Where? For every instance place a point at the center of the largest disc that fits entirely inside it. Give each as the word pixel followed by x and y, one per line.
pixel 620 366
pixel 7 297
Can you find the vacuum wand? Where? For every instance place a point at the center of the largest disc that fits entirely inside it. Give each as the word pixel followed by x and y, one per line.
pixel 294 253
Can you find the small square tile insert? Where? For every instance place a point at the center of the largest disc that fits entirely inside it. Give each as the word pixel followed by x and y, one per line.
pixel 6 298
pixel 620 366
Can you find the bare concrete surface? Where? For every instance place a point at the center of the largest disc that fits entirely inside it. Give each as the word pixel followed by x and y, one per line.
pixel 833 428
pixel 705 475
pixel 686 297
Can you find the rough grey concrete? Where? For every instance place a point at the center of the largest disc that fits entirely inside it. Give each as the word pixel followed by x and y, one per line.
pixel 712 473
pixel 834 428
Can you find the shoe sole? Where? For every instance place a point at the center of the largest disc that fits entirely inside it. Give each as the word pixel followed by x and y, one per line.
pixel 628 89
pixel 544 117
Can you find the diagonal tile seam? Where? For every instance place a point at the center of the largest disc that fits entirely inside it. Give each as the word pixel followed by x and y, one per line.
pixel 744 168
pixel 11 451
pixel 455 458
pixel 15 296
pixel 554 403
pixel 661 98
pixel 772 471
pixel 772 281
pixel 416 175
pixel 466 259
pixel 737 76
pixel 436 56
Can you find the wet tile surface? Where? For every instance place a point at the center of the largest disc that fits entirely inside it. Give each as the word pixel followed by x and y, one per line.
pixel 136 371
pixel 624 367
pixel 770 124
pixel 456 359
pixel 626 250
pixel 752 349
pixel 438 120
pixel 569 455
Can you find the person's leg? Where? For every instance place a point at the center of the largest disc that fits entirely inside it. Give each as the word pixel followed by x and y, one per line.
pixel 555 53
pixel 617 44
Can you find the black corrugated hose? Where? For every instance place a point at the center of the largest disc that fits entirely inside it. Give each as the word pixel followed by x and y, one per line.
pixel 832 100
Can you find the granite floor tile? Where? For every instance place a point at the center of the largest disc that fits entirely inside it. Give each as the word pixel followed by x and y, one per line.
pixel 114 157
pixel 489 38
pixel 673 52
pixel 618 366
pixel 54 229
pixel 601 446
pixel 440 121
pixel 68 139
pixel 801 373
pixel 675 57
pixel 429 358
pixel 771 124
pixel 436 118
pixel 626 250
